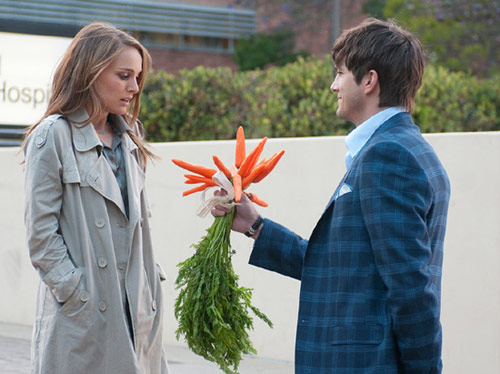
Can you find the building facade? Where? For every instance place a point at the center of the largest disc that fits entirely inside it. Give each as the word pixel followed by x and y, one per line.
pixel 178 34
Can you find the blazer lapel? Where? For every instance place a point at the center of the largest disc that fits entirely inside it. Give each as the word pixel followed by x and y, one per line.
pixel 94 170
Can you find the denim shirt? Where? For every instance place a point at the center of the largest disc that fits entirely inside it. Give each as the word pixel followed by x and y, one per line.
pixel 114 157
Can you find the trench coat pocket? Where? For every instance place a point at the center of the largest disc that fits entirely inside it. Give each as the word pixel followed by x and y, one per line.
pixel 62 280
pixel 77 299
pixel 362 334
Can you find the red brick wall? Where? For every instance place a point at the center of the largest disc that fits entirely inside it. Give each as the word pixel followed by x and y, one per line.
pixel 313 33
pixel 174 60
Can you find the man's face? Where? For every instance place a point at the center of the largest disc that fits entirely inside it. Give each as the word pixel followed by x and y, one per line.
pixel 351 100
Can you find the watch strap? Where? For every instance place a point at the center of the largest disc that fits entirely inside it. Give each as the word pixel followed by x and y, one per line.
pixel 253 229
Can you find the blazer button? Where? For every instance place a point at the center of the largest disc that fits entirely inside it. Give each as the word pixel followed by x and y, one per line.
pixel 84 296
pixel 102 306
pixel 99 222
pixel 153 305
pixel 102 263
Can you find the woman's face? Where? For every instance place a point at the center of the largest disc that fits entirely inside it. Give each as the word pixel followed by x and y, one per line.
pixel 118 83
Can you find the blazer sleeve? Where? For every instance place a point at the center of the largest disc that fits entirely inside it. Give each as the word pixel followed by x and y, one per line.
pixel 279 249
pixel 396 197
pixel 43 201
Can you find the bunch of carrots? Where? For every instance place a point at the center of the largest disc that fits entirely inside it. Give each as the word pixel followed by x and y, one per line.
pixel 247 169
pixel 212 310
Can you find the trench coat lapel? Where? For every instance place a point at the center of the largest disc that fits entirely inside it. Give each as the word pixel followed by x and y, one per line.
pixel 135 177
pixel 93 167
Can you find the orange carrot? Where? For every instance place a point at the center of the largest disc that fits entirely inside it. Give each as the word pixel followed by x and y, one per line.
pixel 221 167
pixel 239 154
pixel 198 169
pixel 252 158
pixel 255 172
pixel 270 164
pixel 257 200
pixel 193 179
pixel 237 187
pixel 196 189
pixel 263 160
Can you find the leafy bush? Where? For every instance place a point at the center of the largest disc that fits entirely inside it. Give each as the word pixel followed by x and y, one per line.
pixel 456 101
pixel 461 35
pixel 260 49
pixel 295 100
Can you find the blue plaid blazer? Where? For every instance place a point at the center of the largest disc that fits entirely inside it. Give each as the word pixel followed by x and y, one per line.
pixel 371 270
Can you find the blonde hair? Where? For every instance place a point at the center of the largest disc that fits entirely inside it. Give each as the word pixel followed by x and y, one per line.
pixel 92 50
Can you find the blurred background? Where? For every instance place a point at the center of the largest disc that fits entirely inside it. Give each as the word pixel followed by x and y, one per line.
pixel 263 64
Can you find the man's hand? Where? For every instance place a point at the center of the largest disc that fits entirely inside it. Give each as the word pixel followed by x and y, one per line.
pixel 245 214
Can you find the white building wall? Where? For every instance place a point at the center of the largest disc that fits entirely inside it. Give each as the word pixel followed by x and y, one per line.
pixel 297 191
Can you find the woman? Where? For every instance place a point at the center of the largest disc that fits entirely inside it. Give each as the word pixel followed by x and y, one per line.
pixel 87 216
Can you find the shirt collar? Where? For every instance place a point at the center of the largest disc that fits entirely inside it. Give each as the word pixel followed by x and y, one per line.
pixel 358 137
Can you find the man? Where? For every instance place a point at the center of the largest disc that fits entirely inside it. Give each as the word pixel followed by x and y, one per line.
pixel 371 271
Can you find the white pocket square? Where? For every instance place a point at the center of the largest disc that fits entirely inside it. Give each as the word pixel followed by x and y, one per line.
pixel 345 188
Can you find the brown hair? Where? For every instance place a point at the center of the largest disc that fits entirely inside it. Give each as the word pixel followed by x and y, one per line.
pixel 92 50
pixel 395 54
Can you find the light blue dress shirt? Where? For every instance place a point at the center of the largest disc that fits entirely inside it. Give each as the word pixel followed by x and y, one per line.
pixel 358 137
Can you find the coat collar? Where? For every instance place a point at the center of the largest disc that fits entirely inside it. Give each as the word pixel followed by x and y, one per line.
pixel 84 136
pixel 94 166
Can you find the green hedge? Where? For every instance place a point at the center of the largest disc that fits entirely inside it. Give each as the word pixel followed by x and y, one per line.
pixel 295 101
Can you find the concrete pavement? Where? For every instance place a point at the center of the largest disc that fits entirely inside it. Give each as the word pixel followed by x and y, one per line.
pixel 15 357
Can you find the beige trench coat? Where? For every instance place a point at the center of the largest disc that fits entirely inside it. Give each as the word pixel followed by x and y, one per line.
pixel 77 233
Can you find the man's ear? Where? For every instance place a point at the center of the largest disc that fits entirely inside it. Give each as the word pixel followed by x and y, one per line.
pixel 370 82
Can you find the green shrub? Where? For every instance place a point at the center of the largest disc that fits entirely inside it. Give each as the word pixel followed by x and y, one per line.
pixel 456 101
pixel 261 49
pixel 295 100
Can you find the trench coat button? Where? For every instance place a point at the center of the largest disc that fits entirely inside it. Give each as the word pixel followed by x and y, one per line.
pixel 99 222
pixel 102 306
pixel 153 305
pixel 84 296
pixel 102 263
pixel 39 141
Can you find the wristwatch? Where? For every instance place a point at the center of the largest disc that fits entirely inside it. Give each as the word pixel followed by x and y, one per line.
pixel 253 229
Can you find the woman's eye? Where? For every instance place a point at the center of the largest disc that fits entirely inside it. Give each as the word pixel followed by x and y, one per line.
pixel 124 76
